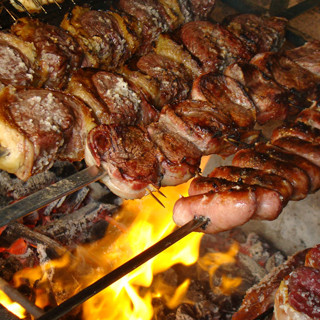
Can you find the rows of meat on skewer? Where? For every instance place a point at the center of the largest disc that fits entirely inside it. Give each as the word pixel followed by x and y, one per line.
pixel 198 91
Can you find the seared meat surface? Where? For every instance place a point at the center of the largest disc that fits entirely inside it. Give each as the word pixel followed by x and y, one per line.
pixel 58 53
pixel 112 99
pixel 18 61
pixel 228 96
pixel 128 156
pixel 270 100
pixel 260 33
pixel 213 45
pixel 40 126
pixel 307 56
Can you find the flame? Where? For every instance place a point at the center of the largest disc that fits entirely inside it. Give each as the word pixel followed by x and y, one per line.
pixel 212 261
pixel 143 222
pixel 13 307
pixel 138 225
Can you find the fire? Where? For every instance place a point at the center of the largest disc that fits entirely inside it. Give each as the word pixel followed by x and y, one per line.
pixel 212 262
pixel 13 307
pixel 138 225
pixel 143 223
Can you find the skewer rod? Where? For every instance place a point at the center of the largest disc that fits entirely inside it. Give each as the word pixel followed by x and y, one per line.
pixel 47 195
pixel 124 269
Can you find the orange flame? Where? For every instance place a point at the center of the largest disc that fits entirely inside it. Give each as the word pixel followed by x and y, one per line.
pixel 143 223
pixel 211 262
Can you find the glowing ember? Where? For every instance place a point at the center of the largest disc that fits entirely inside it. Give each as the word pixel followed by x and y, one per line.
pixel 13 307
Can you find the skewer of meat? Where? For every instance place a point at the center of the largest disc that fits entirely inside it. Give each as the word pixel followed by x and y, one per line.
pixel 254 167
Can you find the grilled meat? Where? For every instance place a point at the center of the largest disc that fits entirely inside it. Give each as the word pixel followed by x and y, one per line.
pixel 253 159
pixel 301 84
pixel 99 35
pixel 259 33
pixel 128 156
pixel 213 45
pixel 18 61
pixel 58 54
pixel 112 99
pixel 270 100
pixel 174 81
pixel 256 177
pixel 179 158
pixel 307 56
pixel 228 96
pixel 40 126
pixel 288 165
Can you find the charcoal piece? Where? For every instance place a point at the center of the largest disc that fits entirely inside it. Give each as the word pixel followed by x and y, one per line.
pixel 185 312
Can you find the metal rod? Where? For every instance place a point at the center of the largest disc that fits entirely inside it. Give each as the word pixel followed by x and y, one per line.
pixel 16 296
pixel 118 273
pixel 47 195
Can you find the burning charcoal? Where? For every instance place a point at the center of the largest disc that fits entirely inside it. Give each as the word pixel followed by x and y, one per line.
pixel 207 310
pixel 76 227
pixel 185 312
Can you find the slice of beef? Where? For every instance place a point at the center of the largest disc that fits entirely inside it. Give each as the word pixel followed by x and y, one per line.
pixel 298 81
pixel 228 96
pixel 260 33
pixel 18 61
pixel 213 45
pixel 198 122
pixel 99 36
pixel 128 156
pixel 58 53
pixel 179 158
pixel 38 127
pixel 270 99
pixel 307 56
pixel 174 80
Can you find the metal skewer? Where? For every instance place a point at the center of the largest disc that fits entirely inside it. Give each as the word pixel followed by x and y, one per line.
pixel 47 195
pixel 113 276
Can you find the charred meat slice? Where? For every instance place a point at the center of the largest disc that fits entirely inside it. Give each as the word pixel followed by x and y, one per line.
pixel 174 81
pixel 179 158
pixel 126 104
pixel 167 47
pixel 270 99
pixel 58 53
pixel 307 56
pixel 310 116
pixel 198 122
pixel 18 61
pixel 99 36
pixel 228 96
pixel 213 45
pixel 112 99
pixel 40 126
pixel 260 33
pixel 303 148
pixel 297 177
pixel 298 130
pixel 127 155
pixel 289 75
pixel 153 19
